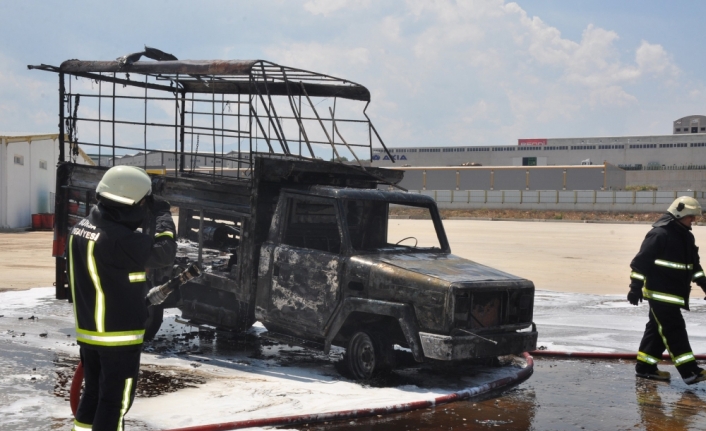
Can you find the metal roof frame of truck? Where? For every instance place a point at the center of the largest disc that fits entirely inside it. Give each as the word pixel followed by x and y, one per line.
pixel 224 113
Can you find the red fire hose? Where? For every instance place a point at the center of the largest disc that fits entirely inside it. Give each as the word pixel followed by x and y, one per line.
pixel 596 355
pixel 519 377
pixel 75 394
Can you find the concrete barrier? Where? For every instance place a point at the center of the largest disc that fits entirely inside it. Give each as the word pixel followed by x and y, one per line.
pixel 559 200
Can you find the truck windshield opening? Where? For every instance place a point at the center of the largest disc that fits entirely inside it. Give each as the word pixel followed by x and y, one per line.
pixel 376 225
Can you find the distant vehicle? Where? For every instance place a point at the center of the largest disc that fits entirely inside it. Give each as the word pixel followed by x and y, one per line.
pixel 305 246
pixel 471 164
pixel 586 162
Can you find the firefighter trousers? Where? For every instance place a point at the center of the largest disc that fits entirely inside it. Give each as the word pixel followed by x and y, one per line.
pixel 666 329
pixel 110 379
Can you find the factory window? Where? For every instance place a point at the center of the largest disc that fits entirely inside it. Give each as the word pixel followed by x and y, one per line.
pixel 43 164
pixel 703 129
pixel 694 130
pixel 19 160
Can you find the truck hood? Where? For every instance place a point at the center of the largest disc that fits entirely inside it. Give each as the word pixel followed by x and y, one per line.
pixel 448 267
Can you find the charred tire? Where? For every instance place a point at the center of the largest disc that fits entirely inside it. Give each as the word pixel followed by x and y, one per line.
pixel 368 355
pixel 154 321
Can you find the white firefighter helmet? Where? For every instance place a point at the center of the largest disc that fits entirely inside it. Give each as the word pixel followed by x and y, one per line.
pixel 685 206
pixel 125 185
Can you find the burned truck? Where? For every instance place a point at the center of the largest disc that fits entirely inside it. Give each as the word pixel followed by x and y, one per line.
pixel 269 168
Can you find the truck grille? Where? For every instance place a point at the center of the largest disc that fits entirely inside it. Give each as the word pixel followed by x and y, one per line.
pixel 481 310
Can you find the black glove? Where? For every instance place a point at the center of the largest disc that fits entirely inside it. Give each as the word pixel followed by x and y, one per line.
pixel 701 282
pixel 635 296
pixel 157 204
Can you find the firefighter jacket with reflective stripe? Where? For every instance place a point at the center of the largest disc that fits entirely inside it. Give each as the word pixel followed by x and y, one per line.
pixel 667 263
pixel 107 260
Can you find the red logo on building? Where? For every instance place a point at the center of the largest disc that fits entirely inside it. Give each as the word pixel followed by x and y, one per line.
pixel 531 142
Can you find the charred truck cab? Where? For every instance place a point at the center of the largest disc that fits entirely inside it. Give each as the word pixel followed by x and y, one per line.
pixel 315 250
pixel 333 270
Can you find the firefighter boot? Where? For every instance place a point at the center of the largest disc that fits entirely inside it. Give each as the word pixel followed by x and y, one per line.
pixel 696 377
pixel 651 372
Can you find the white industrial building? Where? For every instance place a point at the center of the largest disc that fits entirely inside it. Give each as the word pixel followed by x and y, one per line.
pixel 684 149
pixel 28 176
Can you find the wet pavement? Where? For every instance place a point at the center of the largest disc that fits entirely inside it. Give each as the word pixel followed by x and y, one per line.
pixel 561 395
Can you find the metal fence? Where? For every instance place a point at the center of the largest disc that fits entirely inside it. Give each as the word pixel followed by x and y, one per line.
pixel 579 200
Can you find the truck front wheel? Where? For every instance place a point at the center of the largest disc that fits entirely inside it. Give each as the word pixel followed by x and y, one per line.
pixel 368 355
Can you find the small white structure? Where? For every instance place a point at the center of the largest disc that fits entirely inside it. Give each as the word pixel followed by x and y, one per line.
pixel 28 176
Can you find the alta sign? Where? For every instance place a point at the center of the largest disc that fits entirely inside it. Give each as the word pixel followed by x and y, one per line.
pixel 395 157
pixel 531 142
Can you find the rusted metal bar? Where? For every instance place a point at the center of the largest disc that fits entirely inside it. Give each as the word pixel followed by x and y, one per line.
pixel 213 127
pixel 145 125
pixel 378 136
pixel 283 138
pixel 280 89
pixel 320 122
pixel 181 95
pixel 297 115
pixel 62 91
pixel 200 259
pixel 335 128
pixel 262 129
pixel 186 67
pixel 166 99
pixel 115 80
pixel 302 130
pixel 113 120
pixel 282 143
pixel 137 123
pixel 100 123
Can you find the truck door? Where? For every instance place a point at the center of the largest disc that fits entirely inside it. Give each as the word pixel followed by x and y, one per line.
pixel 307 265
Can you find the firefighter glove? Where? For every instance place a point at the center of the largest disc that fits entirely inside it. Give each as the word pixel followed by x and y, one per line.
pixel 635 296
pixel 636 284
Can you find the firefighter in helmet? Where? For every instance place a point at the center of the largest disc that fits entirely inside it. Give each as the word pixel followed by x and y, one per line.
pixel 107 259
pixel 662 273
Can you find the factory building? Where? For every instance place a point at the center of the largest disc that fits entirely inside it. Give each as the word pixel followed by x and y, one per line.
pixel 685 149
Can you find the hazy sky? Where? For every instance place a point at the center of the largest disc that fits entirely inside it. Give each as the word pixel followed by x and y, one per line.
pixel 472 72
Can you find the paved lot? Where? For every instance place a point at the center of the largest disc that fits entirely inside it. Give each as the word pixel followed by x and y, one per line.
pixel 25 260
pixel 556 256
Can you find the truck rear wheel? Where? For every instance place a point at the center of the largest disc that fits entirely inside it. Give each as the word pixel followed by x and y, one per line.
pixel 368 355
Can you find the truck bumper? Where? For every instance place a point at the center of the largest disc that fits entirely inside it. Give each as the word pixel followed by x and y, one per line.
pixel 453 348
